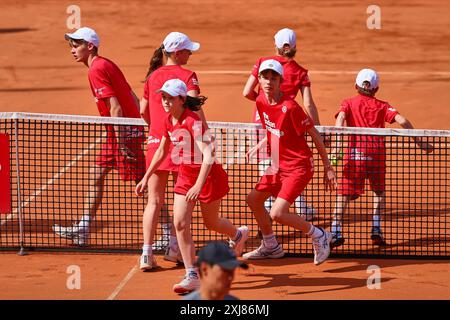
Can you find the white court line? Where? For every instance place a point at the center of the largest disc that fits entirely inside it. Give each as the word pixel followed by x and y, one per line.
pixel 50 182
pixel 337 72
pixel 122 284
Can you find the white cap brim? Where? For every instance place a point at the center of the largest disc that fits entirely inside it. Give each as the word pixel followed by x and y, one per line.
pixel 194 46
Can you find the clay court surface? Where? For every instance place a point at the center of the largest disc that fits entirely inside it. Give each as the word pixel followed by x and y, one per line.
pixel 38 74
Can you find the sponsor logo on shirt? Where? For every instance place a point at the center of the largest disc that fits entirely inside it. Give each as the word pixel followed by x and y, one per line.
pixel 270 126
pixel 195 82
pixel 355 154
pixel 175 141
pixel 152 139
pixel 284 109
pixel 392 109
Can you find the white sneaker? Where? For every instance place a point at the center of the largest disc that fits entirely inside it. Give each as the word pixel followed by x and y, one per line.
pixel 147 262
pixel 190 283
pixel 238 246
pixel 263 253
pixel 322 247
pixel 173 253
pixel 162 243
pixel 79 236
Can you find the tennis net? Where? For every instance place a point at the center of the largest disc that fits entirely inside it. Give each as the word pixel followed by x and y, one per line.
pixel 50 158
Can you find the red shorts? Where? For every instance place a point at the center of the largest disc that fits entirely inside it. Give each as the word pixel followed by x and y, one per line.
pixel 286 185
pixel 216 185
pixel 355 173
pixel 166 165
pixel 110 157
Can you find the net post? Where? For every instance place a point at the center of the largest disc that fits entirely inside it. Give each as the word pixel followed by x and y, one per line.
pixel 22 251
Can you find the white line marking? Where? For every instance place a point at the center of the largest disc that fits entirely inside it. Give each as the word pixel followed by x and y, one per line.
pixel 50 182
pixel 123 283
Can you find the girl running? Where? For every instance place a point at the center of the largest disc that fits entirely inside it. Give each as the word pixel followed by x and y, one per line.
pixel 177 48
pixel 291 169
pixel 199 176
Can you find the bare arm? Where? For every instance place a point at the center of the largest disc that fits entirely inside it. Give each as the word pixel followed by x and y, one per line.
pixel 208 160
pixel 310 106
pixel 116 111
pixel 406 124
pixel 249 89
pixel 136 100
pixel 144 110
pixel 158 157
pixel 329 174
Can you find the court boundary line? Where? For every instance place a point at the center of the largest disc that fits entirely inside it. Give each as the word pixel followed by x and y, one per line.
pixel 123 283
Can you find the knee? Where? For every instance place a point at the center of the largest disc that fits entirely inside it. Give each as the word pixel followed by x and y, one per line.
pixel 251 200
pixel 180 226
pixel 154 203
pixel 276 215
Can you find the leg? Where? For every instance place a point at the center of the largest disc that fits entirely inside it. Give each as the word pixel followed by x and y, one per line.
pixel 336 224
pixel 79 232
pixel 156 188
pixel 182 215
pixel 379 207
pixel 182 220
pixel 238 236
pixel 255 201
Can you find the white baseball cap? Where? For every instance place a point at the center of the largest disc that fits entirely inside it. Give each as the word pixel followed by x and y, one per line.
pixel 368 75
pixel 176 41
pixel 174 87
pixel 271 65
pixel 285 36
pixel 86 34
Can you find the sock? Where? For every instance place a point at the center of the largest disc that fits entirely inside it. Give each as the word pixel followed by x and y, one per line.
pixel 147 249
pixel 173 242
pixel 192 271
pixel 166 228
pixel 270 241
pixel 238 236
pixel 376 221
pixel 336 227
pixel 84 222
pixel 315 232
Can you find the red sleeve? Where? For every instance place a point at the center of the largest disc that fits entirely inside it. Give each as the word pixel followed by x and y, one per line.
pixel 300 120
pixel 390 114
pixel 146 90
pixel 304 79
pixel 255 70
pixel 192 83
pixel 343 108
pixel 101 83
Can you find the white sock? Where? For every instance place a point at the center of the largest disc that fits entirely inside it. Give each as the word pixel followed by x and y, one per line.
pixel 270 241
pixel 84 222
pixel 146 249
pixel 166 228
pixel 173 242
pixel 336 226
pixel 238 236
pixel 315 232
pixel 192 270
pixel 376 221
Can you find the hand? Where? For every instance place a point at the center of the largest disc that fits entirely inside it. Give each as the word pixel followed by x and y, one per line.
pixel 329 178
pixel 193 193
pixel 425 146
pixel 141 187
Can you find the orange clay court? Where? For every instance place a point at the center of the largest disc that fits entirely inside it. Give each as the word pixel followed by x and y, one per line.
pixel 410 51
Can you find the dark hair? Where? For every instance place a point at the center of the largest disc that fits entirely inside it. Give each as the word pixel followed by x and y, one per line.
pixel 287 53
pixel 364 90
pixel 194 103
pixel 156 61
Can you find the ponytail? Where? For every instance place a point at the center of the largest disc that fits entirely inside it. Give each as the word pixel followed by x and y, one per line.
pixel 287 53
pixel 156 61
pixel 194 103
